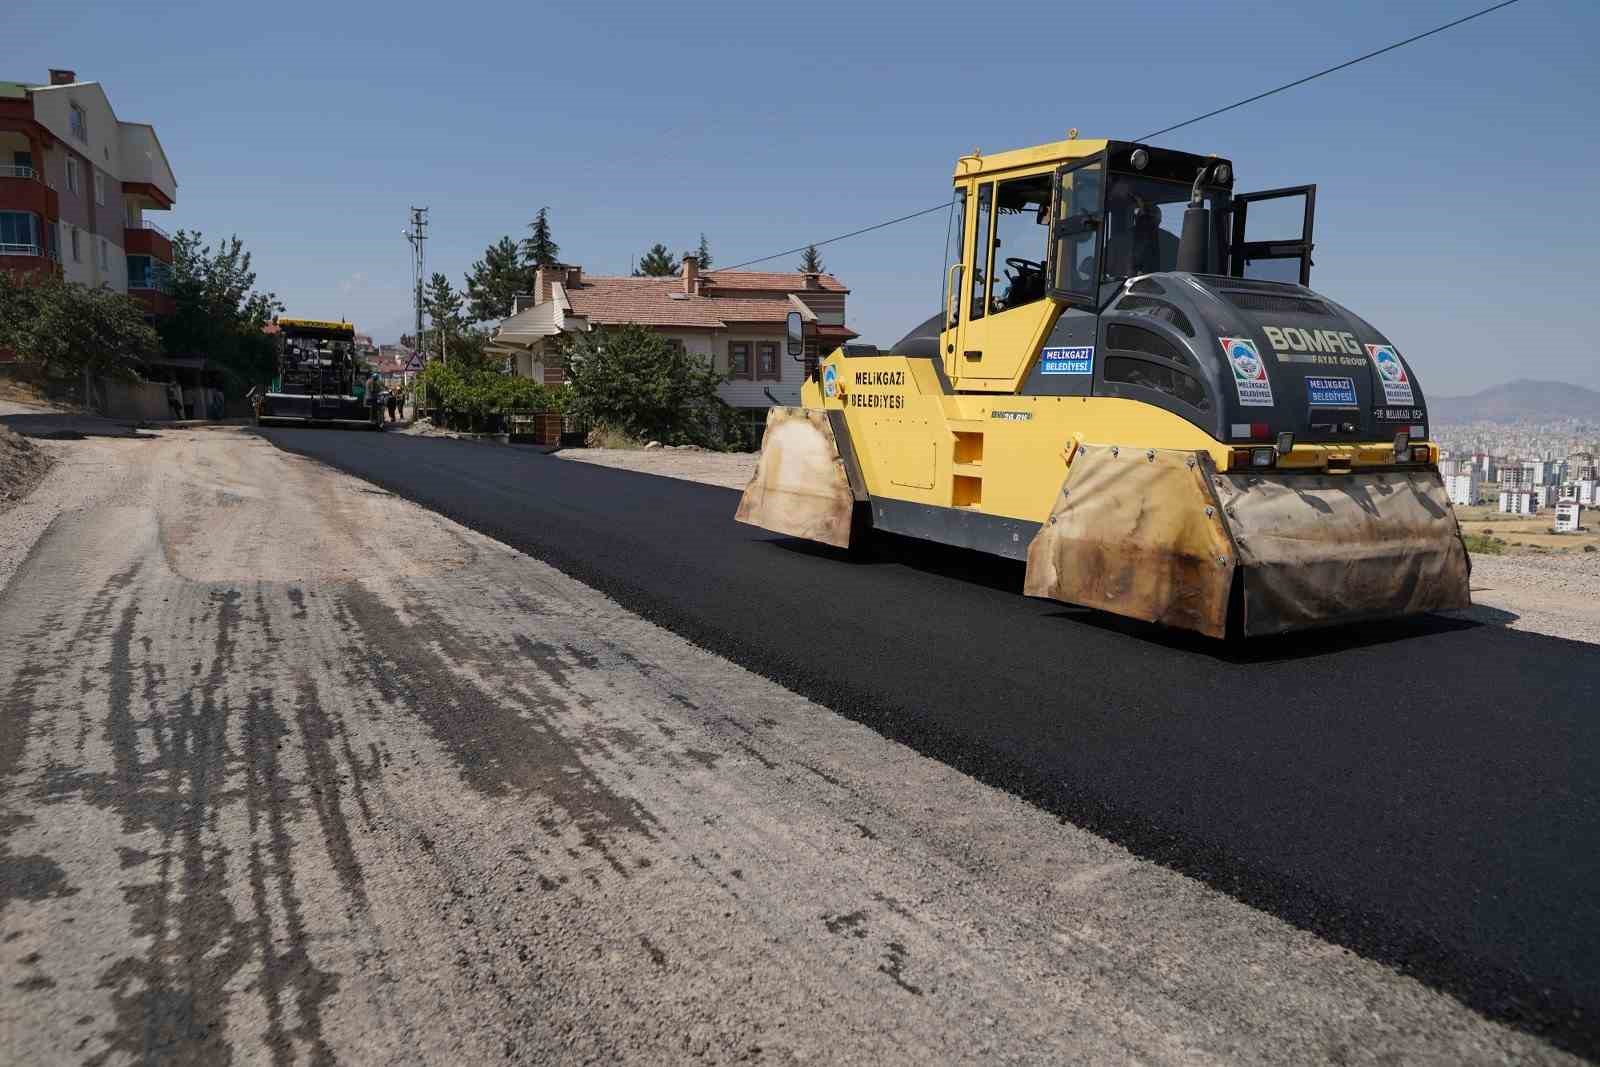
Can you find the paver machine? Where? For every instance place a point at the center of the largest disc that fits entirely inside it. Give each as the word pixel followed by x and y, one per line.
pixel 320 379
pixel 1130 386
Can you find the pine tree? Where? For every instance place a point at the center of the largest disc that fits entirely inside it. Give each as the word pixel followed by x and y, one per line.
pixel 704 253
pixel 443 305
pixel 540 250
pixel 495 279
pixel 657 263
pixel 810 262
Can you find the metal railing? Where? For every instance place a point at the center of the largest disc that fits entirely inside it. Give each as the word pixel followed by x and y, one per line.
pixel 145 224
pixel 8 248
pixel 12 170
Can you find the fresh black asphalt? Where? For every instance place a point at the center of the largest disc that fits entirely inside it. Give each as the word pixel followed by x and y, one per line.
pixel 1424 792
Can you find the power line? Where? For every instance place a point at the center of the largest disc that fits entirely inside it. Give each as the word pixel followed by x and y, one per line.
pixel 1187 122
pixel 842 236
pixel 1330 70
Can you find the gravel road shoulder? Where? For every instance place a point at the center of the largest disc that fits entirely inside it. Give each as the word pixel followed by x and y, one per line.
pixel 733 470
pixel 295 769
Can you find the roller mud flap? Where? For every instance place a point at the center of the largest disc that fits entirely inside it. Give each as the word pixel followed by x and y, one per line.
pixel 1138 533
pixel 1316 549
pixel 1163 536
pixel 802 486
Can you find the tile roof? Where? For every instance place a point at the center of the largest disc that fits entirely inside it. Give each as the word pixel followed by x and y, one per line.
pixel 650 302
pixel 786 281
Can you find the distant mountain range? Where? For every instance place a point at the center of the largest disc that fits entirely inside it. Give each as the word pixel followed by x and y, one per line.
pixel 1521 399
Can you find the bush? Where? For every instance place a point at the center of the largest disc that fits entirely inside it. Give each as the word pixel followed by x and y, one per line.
pixel 634 381
pixel 64 326
pixel 1484 544
pixel 603 436
pixel 478 392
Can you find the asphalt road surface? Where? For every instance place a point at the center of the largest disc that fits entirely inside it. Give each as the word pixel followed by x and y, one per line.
pixel 1426 793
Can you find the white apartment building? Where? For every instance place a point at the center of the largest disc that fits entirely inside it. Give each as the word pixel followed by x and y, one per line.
pixel 1569 516
pixel 75 184
pixel 1518 502
pixel 1463 488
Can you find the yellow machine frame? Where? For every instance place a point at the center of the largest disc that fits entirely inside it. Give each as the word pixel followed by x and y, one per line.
pixel 1169 524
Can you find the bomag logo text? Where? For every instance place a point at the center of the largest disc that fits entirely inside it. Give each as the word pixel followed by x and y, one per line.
pixel 880 377
pixel 1330 342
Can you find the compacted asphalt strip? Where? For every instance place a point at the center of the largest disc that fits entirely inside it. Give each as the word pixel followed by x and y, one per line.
pixel 1425 792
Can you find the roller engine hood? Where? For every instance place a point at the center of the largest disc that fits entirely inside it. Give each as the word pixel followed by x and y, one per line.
pixel 1273 357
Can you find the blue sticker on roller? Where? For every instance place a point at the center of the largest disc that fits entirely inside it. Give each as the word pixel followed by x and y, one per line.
pixel 1331 392
pixel 1067 360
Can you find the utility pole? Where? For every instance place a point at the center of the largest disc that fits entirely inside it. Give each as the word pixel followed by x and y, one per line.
pixel 417 235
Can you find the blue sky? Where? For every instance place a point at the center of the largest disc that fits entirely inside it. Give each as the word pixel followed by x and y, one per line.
pixel 1457 206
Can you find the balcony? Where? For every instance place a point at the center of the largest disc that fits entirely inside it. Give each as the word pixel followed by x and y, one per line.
pixel 147 239
pixel 24 189
pixel 27 257
pixel 154 300
pixel 150 281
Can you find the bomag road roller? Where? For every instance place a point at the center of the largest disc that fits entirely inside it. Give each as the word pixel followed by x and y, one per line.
pixel 1130 386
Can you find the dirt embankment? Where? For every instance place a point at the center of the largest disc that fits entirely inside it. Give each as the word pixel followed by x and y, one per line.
pixel 23 465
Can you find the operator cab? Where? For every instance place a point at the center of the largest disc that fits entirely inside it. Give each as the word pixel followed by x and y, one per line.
pixel 1116 269
pixel 1134 210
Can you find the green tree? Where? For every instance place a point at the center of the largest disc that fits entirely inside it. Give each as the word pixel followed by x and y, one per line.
pixel 218 312
pixel 495 280
pixel 68 327
pixel 539 249
pixel 631 379
pixel 704 253
pixel 442 303
pixel 810 262
pixel 657 263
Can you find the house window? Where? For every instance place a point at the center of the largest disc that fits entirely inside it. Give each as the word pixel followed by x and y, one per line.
pixel 139 272
pixel 74 178
pixel 77 253
pixel 99 188
pixel 18 237
pixel 739 359
pixel 767 365
pixel 80 123
pixel 105 262
pixel 676 344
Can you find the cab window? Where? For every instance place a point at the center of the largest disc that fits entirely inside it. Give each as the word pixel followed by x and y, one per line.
pixel 1021 242
pixel 980 258
pixel 1078 223
pixel 956 232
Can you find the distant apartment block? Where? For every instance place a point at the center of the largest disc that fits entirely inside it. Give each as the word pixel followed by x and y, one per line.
pixel 1463 488
pixel 75 185
pixel 1518 502
pixel 1569 516
pixel 1516 476
pixel 1585 492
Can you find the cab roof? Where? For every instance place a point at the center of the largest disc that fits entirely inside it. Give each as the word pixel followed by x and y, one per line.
pixel 975 162
pixel 324 325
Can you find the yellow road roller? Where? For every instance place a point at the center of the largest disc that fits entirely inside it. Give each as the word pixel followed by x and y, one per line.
pixel 1130 386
